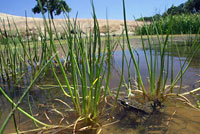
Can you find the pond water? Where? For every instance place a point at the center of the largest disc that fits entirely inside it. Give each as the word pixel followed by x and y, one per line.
pixel 46 105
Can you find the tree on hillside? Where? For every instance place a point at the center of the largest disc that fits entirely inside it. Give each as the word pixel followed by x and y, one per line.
pixel 54 7
pixel 151 18
pixel 193 6
pixel 175 10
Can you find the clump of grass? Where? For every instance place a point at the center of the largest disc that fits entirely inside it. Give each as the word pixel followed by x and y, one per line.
pixel 89 84
pixel 88 57
pixel 20 51
pixel 16 105
pixel 22 63
pixel 159 63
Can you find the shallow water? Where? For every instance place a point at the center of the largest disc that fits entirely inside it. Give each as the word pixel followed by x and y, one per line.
pixel 189 78
pixel 177 118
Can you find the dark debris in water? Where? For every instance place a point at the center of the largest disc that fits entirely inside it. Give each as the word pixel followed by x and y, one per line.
pixel 136 117
pixel 145 108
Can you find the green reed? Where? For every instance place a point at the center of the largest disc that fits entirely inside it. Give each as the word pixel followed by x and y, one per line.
pixel 19 51
pixel 159 65
pixel 86 58
pixel 16 105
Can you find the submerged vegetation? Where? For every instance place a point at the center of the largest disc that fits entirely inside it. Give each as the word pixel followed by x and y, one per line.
pixel 84 63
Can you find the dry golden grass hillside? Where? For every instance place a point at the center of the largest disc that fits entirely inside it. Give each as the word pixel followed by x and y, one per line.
pixel 86 25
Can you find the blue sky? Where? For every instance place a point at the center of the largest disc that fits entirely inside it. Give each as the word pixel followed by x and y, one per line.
pixel 135 8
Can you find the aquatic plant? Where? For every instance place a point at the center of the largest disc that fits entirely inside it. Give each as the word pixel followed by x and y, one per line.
pixel 89 84
pixel 85 56
pixel 159 63
pixel 16 105
pixel 19 51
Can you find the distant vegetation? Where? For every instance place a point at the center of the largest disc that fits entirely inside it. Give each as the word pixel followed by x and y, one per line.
pixel 189 7
pixel 181 24
pixel 186 20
